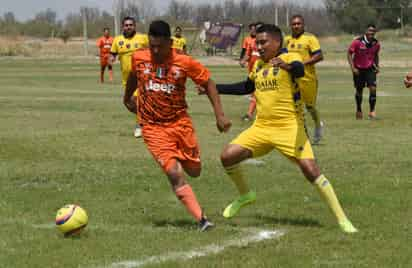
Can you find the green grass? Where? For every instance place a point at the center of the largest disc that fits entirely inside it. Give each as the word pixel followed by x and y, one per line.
pixel 64 138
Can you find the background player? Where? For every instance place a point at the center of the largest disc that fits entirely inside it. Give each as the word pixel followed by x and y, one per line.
pixel 123 46
pixel 104 45
pixel 160 75
pixel 307 46
pixel 363 58
pixel 279 123
pixel 248 57
pixel 179 42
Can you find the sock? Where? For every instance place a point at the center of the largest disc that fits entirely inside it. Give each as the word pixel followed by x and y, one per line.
pixel 111 74
pixel 101 76
pixel 326 191
pixel 187 197
pixel 236 174
pixel 358 98
pixel 372 101
pixel 315 115
pixel 252 106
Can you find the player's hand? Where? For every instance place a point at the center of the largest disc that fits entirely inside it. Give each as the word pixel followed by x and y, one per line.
pixel 223 124
pixel 376 68
pixel 201 90
pixel 278 62
pixel 242 63
pixel 130 104
pixel 408 82
pixel 355 71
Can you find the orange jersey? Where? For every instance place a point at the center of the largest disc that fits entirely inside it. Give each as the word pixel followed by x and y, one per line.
pixel 104 44
pixel 162 91
pixel 249 43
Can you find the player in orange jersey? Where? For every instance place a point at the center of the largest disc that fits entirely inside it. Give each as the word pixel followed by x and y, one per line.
pixel 159 74
pixel 104 45
pixel 248 57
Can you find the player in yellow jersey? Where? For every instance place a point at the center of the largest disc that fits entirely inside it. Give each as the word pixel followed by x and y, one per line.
pixel 179 42
pixel 279 123
pixel 308 47
pixel 123 46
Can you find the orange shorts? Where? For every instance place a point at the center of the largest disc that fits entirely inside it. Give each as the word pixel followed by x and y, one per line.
pixel 104 60
pixel 175 141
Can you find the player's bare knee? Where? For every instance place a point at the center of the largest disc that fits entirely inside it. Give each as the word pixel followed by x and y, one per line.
pixel 310 169
pixel 193 171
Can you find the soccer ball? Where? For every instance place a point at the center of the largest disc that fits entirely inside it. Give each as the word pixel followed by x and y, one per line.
pixel 71 220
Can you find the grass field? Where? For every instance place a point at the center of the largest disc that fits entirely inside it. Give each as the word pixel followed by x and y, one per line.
pixel 64 138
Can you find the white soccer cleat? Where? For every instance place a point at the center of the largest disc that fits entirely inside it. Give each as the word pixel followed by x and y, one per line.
pixel 137 132
pixel 318 133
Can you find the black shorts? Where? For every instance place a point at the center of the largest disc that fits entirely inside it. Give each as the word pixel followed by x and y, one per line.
pixel 366 77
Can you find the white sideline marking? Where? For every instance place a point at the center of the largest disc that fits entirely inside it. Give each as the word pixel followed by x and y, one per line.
pixel 212 249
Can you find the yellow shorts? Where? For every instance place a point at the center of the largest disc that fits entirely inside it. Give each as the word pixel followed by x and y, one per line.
pixel 309 91
pixel 289 139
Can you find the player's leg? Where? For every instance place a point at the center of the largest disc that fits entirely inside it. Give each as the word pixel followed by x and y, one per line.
pixel 110 72
pixel 137 131
pixel 102 68
pixel 359 84
pixel 231 157
pixel 309 95
pixel 371 84
pixel 312 172
pixel 162 144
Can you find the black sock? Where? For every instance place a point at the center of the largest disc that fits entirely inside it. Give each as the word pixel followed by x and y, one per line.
pixel 358 98
pixel 372 101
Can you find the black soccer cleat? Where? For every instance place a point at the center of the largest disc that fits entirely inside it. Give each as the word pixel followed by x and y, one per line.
pixel 205 224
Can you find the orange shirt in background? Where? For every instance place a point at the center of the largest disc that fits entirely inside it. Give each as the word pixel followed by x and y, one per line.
pixel 104 45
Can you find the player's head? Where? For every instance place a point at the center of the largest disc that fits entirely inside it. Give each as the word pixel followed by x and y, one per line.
pixel 252 29
pixel 129 26
pixel 159 40
pixel 370 31
pixel 106 32
pixel 178 31
pixel 268 41
pixel 297 24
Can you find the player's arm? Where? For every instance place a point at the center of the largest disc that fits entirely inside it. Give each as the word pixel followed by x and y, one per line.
pixel 408 80
pixel 315 58
pixel 239 88
pixel 222 123
pixel 131 86
pixel 350 54
pixel 376 63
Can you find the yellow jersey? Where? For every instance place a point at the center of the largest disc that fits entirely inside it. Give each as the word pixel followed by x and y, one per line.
pixel 124 48
pixel 306 45
pixel 276 91
pixel 178 43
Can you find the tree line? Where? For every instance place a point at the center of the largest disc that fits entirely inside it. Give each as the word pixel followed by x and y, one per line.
pixel 333 17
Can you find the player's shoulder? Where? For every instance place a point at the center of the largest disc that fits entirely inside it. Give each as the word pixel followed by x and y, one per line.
pixel 309 36
pixel 289 57
pixel 142 54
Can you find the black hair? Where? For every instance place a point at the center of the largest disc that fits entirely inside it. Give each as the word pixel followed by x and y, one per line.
pixel 178 28
pixel 106 28
pixel 297 16
pixel 128 18
pixel 251 25
pixel 159 28
pixel 271 29
pixel 371 25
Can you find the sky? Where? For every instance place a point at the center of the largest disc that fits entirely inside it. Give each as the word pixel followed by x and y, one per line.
pixel 26 9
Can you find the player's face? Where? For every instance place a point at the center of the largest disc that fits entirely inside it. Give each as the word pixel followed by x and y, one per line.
pixel 252 31
pixel 178 33
pixel 129 28
pixel 370 33
pixel 267 45
pixel 159 48
pixel 106 33
pixel 297 26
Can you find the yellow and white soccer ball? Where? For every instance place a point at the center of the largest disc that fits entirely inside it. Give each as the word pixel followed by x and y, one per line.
pixel 71 219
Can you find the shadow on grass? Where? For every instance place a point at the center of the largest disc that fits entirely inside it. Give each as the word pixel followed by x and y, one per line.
pixel 181 224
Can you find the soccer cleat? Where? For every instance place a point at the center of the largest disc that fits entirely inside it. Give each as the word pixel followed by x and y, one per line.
pixel 347 227
pixel 205 225
pixel 318 133
pixel 137 132
pixel 359 115
pixel 233 208
pixel 372 115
